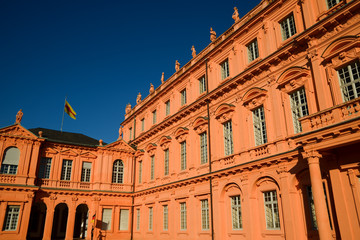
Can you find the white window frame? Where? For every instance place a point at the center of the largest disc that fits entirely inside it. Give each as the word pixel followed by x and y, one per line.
pixel 44 168
pixel 183 216
pixel 332 3
pixel 165 217
pixel 205 224
pixel 203 148
pixel 202 84
pixel 288 27
pixel 183 97
pixel 10 161
pixel 118 172
pixel 152 167
pixel 86 172
pixel 253 50
pixel 271 208
pixel 154 116
pixel 349 78
pixel 167 108
pixel 228 138
pixel 66 170
pixel 299 107
pixel 236 218
pixel 151 218
pixel 183 155
pixel 166 162
pixel 11 218
pixel 224 69
pixel 259 126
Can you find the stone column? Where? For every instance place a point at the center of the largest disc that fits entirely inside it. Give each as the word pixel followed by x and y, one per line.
pixel 48 222
pixel 321 212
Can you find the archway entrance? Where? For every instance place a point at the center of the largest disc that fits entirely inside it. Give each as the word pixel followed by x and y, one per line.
pixel 60 222
pixel 37 221
pixel 81 221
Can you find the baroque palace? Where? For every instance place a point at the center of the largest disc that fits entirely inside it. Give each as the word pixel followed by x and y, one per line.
pixel 256 137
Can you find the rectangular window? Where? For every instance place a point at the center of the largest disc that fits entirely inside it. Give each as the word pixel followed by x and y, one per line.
pixel 271 210
pixel 259 126
pixel 288 28
pixel 66 170
pixel 236 213
pixel 349 77
pixel 167 108
pixel 253 51
pixel 140 171
pixel 11 218
pixel 85 172
pixel 312 207
pixel 183 155
pixel 183 216
pixel 166 162
pixel 165 218
pixel 106 219
pixel 150 218
pixel 138 219
pixel 130 133
pixel 154 116
pixel 143 124
pixel 205 215
pixel 202 83
pixel 332 3
pixel 203 148
pixel 299 108
pixel 124 219
pixel 183 97
pixel 228 140
pixel 8 168
pixel 44 168
pixel 224 66
pixel 152 167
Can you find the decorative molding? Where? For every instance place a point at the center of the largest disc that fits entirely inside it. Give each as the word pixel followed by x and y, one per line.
pixel 165 142
pixel 254 98
pixel 293 78
pixel 200 124
pixel 224 112
pixel 181 134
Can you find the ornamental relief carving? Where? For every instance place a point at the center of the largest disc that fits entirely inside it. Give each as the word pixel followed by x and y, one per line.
pixel 345 57
pixel 201 128
pixel 224 117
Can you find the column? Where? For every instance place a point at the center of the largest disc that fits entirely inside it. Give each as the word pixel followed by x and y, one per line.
pixel 321 212
pixel 71 220
pixel 48 222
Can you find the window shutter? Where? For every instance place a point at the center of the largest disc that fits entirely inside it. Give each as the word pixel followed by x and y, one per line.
pixel 12 156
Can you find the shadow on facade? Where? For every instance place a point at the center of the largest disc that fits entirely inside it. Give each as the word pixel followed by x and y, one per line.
pixel 37 221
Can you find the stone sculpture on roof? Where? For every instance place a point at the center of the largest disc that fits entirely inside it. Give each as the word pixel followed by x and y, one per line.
pixel 177 65
pixel 120 132
pixel 151 88
pixel 128 108
pixel 193 51
pixel 162 77
pixel 235 15
pixel 212 35
pixel 19 116
pixel 138 98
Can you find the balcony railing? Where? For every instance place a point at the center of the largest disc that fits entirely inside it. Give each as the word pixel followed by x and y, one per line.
pixel 4 178
pixel 336 114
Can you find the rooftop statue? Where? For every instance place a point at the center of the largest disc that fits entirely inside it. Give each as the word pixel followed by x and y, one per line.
pixel 128 108
pixel 177 65
pixel 212 35
pixel 193 51
pixel 19 116
pixel 151 88
pixel 235 15
pixel 120 132
pixel 138 98
pixel 162 77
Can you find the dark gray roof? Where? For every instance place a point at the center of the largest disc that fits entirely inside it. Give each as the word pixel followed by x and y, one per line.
pixel 65 137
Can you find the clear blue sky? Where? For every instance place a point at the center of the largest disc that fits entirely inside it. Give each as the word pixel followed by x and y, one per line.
pixel 100 54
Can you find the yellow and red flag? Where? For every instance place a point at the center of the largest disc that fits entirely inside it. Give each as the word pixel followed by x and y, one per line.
pixel 69 110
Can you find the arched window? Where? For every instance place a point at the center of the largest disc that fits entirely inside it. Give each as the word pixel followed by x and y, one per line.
pixel 10 161
pixel 118 172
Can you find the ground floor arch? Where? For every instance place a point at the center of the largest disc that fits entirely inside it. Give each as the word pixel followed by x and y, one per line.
pixel 81 221
pixel 37 221
pixel 60 221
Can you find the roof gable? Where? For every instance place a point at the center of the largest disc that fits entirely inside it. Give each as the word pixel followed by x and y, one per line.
pixel 120 145
pixel 17 130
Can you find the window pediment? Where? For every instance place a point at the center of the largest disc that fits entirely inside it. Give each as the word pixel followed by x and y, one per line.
pixel 200 124
pixel 181 134
pixel 139 154
pixel 151 148
pixel 293 78
pixel 254 98
pixel 165 142
pixel 224 112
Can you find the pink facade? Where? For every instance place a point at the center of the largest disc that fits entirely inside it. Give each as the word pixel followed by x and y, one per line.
pixel 255 138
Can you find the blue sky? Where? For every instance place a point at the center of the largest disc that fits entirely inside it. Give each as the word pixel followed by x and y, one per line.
pixel 100 54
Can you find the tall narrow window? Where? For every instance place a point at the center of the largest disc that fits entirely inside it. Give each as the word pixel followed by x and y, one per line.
pixel 224 66
pixel 183 155
pixel 11 218
pixel 236 213
pixel 202 83
pixel 183 216
pixel 154 116
pixel 166 162
pixel 299 108
pixel 10 161
pixel 124 219
pixel 312 207
pixel 205 214
pixel 44 168
pixel 152 167
pixel 143 124
pixel 183 97
pixel 332 3
pixel 106 219
pixel 288 28
pixel 118 172
pixel 130 133
pixel 150 218
pixel 350 81
pixel 259 126
pixel 167 108
pixel 165 218
pixel 138 219
pixel 253 51
pixel 203 148
pixel 66 170
pixel 271 210
pixel 228 140
pixel 140 171
pixel 85 172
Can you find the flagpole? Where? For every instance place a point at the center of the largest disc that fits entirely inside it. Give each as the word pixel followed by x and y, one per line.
pixel 62 121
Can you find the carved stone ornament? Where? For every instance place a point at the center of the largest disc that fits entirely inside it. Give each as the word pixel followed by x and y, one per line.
pixel 254 98
pixel 165 142
pixel 177 66
pixel 181 134
pixel 138 98
pixel 139 154
pixel 212 35
pixel 19 116
pixel 128 108
pixel 193 51
pixel 120 133
pixel 235 15
pixel 151 90
pixel 200 124
pixel 151 148
pixel 311 154
pixel 293 78
pixel 224 112
pixel 162 77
